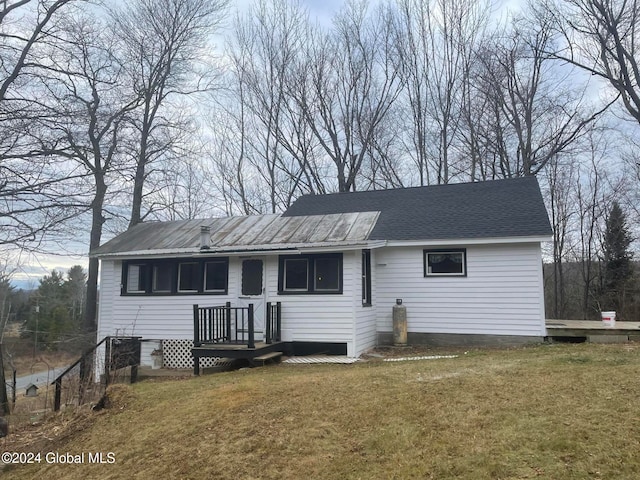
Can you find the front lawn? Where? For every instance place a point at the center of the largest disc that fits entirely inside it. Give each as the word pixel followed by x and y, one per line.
pixel 551 411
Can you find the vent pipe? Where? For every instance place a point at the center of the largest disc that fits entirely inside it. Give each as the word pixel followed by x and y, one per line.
pixel 205 237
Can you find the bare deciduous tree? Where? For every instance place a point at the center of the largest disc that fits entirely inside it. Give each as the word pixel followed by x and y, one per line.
pixel 560 176
pixel 602 37
pixel 33 200
pixel 437 42
pixel 535 113
pixel 267 45
pixel 17 41
pixel 591 207
pixel 351 79
pixel 88 106
pixel 160 41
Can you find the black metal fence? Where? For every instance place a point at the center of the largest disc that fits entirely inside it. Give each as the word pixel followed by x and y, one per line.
pixel 224 325
pixel 86 379
pixel 273 332
pixel 234 325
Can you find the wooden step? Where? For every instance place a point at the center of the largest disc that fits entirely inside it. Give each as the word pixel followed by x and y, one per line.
pixel 262 359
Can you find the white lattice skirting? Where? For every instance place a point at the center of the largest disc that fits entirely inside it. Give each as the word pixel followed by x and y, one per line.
pixel 177 354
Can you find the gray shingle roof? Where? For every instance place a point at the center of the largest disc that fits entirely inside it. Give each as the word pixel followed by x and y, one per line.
pixel 493 209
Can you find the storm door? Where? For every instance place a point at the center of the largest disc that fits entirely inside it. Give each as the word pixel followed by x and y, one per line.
pixel 252 291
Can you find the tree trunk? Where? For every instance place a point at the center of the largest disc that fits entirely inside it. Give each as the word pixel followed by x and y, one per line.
pixel 97 221
pixel 4 398
pixel 138 181
pixel 136 207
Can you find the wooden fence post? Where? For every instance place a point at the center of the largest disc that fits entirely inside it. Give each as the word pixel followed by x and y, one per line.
pixel 252 343
pixel 196 327
pixel 227 333
pixel 4 398
pixel 58 395
pixel 278 321
pixel 268 321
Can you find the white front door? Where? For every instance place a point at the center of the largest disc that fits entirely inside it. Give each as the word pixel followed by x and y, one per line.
pixel 252 291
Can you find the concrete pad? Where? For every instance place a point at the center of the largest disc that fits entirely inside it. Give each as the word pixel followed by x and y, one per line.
pixel 608 338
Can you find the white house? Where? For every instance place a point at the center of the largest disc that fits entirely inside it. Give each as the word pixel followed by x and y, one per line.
pixel 464 258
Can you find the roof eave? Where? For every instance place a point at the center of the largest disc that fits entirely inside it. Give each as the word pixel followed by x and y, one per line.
pixel 470 241
pixel 244 250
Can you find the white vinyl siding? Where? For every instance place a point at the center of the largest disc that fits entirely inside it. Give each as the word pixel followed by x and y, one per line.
pixel 152 317
pixel 108 292
pixel 502 293
pixel 316 318
pixel 365 326
pixel 305 318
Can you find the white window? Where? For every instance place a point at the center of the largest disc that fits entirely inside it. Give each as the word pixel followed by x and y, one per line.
pixel 136 279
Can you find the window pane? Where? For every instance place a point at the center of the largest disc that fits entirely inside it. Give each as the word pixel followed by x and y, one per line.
pixel 445 263
pixel 296 275
pixel 215 276
pixel 252 277
pixel 135 278
pixel 327 274
pixel 188 274
pixel 162 278
pixel 366 277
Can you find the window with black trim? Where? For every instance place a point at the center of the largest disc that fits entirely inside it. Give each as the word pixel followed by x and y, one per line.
pixel 216 273
pixel 162 276
pixel 178 276
pixel 136 280
pixel 366 278
pixel 317 273
pixel 449 262
pixel 327 272
pixel 188 277
pixel 296 274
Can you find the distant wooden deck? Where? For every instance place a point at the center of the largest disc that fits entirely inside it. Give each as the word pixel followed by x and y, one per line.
pixel 591 328
pixel 235 351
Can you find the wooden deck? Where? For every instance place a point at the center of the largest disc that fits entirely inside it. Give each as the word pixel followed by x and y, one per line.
pixel 229 332
pixel 591 328
pixel 234 351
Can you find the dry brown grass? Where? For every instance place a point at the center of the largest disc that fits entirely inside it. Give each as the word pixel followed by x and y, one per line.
pixel 556 412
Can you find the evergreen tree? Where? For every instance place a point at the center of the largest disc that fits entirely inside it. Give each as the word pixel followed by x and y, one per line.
pixel 76 292
pixel 617 265
pixel 57 308
pixel 6 294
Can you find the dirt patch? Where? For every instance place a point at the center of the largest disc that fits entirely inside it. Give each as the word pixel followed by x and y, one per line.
pixel 117 397
pixel 411 351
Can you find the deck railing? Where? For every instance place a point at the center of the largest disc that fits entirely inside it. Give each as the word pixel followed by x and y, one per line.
pixel 273 331
pixel 227 325
pixel 223 324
